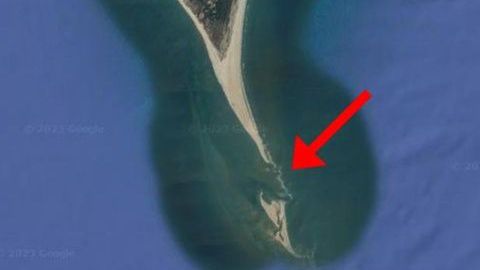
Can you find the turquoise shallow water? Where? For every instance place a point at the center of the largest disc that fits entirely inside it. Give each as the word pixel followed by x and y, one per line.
pixel 210 171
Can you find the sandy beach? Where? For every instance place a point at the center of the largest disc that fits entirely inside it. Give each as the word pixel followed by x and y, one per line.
pixel 228 71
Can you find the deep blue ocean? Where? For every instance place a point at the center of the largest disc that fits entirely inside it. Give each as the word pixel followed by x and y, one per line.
pixel 77 188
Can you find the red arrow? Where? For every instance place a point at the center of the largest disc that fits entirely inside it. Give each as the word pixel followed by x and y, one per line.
pixel 305 156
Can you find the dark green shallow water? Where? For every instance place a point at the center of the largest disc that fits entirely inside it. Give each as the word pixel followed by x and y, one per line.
pixel 210 171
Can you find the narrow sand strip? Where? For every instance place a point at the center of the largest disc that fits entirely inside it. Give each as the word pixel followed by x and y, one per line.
pixel 230 76
pixel 276 212
pixel 229 72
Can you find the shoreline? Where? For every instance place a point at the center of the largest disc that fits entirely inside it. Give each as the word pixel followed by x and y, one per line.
pixel 229 73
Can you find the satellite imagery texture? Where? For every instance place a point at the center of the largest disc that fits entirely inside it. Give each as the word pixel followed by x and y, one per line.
pixel 239 134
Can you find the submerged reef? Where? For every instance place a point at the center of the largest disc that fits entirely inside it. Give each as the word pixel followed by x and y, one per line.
pixel 233 86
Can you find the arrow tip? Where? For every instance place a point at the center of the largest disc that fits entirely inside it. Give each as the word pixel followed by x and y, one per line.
pixel 304 157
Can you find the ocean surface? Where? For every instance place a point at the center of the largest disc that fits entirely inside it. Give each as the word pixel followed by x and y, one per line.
pixel 96 130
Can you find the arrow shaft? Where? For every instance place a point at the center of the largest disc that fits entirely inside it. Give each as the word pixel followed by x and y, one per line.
pixel 341 120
